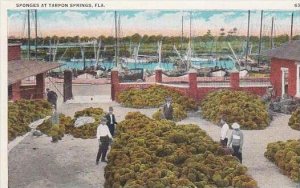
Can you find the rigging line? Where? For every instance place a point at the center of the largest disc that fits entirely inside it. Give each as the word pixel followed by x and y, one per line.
pixel 55 86
pixel 63 53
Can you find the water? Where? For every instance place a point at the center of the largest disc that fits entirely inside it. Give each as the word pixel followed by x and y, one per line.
pixel 226 64
pixel 149 66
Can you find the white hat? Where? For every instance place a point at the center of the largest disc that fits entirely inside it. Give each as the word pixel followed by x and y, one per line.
pixel 235 125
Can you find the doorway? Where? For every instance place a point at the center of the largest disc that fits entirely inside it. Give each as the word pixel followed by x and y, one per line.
pixel 284 82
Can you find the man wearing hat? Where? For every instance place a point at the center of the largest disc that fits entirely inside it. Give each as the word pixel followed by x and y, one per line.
pixel 236 139
pixel 111 121
pixel 168 109
pixel 104 137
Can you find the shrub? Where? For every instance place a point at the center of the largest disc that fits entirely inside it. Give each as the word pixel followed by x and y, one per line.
pixel 152 153
pixel 21 113
pixel 154 96
pixel 286 155
pixel 237 106
pixel 56 131
pixel 88 130
pixel 294 121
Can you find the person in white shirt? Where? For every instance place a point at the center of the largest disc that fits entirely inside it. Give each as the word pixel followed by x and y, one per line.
pixel 224 132
pixel 104 137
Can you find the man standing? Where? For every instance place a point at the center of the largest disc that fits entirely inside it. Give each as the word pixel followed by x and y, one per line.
pixel 236 139
pixel 224 132
pixel 104 137
pixel 51 97
pixel 111 121
pixel 168 109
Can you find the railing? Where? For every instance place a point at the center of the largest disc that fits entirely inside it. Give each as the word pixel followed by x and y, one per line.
pixel 255 82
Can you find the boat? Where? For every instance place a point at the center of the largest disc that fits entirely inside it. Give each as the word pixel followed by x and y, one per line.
pixel 136 58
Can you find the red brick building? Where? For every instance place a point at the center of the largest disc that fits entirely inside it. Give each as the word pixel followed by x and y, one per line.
pixel 18 70
pixel 285 69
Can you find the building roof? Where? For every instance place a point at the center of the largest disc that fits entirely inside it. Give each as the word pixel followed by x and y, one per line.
pixel 289 51
pixel 19 69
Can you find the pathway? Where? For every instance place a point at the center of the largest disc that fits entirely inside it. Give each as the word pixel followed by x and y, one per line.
pixel 263 171
pixel 36 162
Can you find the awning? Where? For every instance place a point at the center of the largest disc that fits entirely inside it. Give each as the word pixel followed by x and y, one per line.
pixel 20 69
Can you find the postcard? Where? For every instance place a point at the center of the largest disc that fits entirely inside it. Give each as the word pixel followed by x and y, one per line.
pixel 150 94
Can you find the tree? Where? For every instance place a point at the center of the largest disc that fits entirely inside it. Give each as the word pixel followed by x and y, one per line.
pixel 207 37
pixel 136 38
pixel 145 38
pixel 281 39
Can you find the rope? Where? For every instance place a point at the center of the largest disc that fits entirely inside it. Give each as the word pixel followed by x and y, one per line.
pixel 55 87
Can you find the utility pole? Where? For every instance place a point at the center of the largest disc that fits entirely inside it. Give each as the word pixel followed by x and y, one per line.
pixel 28 23
pixel 292 25
pixel 247 47
pixel 260 36
pixel 36 35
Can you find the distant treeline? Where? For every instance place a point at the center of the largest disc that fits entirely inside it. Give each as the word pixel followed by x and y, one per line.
pixel 136 38
pixel 200 44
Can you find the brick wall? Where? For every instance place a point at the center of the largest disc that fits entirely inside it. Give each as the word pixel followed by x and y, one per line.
pixel 276 74
pixel 190 90
pixel 14 52
pixel 29 92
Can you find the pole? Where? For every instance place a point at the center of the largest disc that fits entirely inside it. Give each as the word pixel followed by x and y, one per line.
pixel 84 63
pixel 260 36
pixel 181 33
pixel 36 35
pixel 272 30
pixel 116 39
pixel 247 47
pixel 292 25
pixel 190 26
pixel 28 23
pixel 119 35
pixel 190 44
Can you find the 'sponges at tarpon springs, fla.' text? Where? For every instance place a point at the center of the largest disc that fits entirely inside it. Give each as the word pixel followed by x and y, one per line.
pixel 59 5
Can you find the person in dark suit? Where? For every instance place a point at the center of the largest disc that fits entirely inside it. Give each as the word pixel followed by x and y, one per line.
pixel 51 97
pixel 168 109
pixel 111 121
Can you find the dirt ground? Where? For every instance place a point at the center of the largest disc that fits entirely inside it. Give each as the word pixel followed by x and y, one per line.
pixel 36 162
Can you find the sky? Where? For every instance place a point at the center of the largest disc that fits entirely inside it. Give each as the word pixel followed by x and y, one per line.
pixel 150 22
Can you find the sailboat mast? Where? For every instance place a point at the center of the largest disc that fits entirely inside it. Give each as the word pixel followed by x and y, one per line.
pixel 272 30
pixel 190 26
pixel 181 32
pixel 116 39
pixel 35 15
pixel 247 47
pixel 260 36
pixel 119 34
pixel 190 44
pixel 292 25
pixel 28 23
